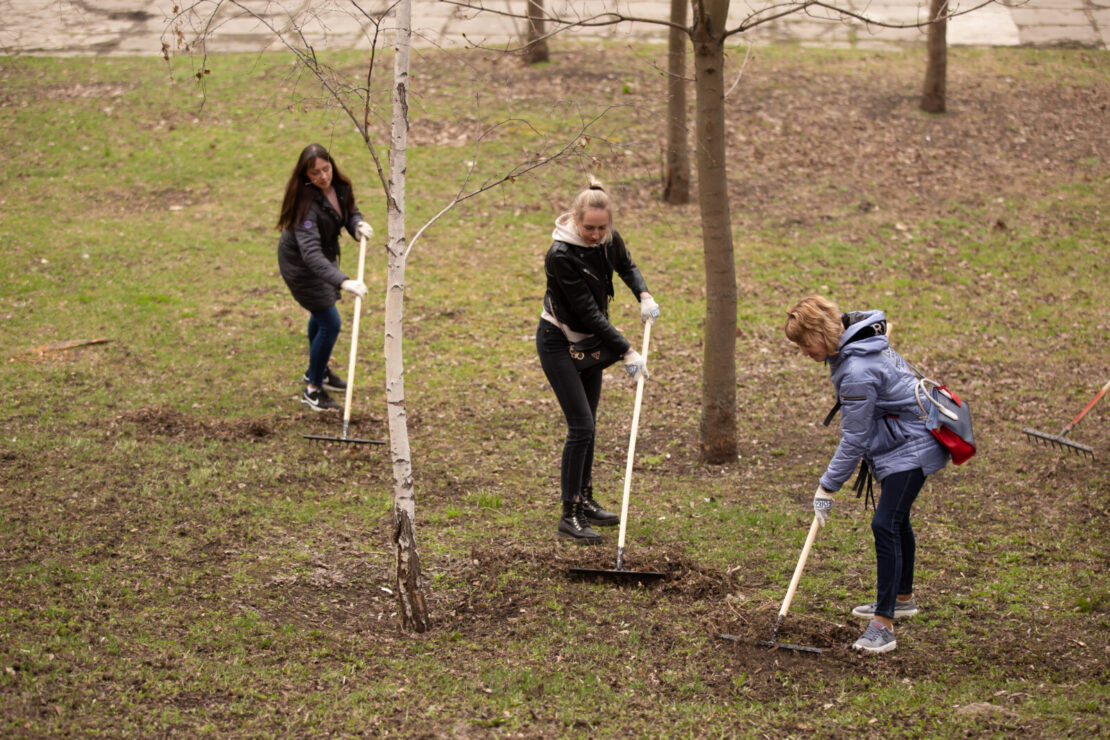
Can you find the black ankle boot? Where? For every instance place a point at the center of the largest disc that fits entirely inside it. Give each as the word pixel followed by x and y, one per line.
pixel 573 525
pixel 594 512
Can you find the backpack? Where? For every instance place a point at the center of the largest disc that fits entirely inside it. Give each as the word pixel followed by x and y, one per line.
pixel 947 417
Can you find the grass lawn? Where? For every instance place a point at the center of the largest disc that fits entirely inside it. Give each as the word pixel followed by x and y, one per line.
pixel 175 559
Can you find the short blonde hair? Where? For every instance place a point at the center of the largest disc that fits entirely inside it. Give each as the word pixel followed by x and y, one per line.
pixel 815 317
pixel 594 196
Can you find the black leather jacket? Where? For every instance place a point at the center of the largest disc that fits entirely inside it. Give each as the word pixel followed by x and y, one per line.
pixel 580 286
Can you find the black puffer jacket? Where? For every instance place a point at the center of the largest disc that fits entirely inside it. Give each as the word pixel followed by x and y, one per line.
pixel 580 285
pixel 308 253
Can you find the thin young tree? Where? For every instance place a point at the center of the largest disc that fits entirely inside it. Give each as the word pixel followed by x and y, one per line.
pixel 718 403
pixel 934 94
pixel 410 599
pixel 676 176
pixel 356 103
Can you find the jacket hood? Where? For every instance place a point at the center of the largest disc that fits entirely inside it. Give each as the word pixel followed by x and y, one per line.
pixel 866 333
pixel 565 232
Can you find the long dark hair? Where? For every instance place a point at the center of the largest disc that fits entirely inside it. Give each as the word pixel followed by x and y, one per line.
pixel 299 192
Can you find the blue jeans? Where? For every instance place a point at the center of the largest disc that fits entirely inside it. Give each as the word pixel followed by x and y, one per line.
pixel 895 546
pixel 323 330
pixel 578 395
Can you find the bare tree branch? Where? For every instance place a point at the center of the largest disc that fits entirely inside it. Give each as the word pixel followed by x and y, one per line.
pixel 573 142
pixel 740 73
pixel 560 25
pixel 600 20
pixel 306 55
pixel 756 18
pixel 292 36
pixel 775 12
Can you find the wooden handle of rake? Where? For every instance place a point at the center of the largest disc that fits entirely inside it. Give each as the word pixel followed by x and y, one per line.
pixel 632 447
pixel 801 565
pixel 1086 408
pixel 354 340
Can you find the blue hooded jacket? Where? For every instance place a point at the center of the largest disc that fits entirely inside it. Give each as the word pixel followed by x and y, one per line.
pixel 879 416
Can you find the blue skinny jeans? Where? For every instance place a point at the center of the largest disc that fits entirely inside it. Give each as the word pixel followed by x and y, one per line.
pixel 323 330
pixel 578 395
pixel 895 546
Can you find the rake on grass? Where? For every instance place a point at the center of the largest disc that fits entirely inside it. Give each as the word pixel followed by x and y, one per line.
pixel 774 643
pixel 1059 439
pixel 619 574
pixel 351 368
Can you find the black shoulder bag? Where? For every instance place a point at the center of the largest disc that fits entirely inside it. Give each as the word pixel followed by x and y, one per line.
pixel 592 353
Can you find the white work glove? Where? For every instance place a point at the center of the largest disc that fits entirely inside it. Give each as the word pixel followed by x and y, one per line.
pixel 634 364
pixel 354 286
pixel 364 229
pixel 822 505
pixel 649 309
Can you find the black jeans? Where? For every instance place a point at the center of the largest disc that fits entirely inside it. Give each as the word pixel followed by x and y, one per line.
pixel 895 546
pixel 578 395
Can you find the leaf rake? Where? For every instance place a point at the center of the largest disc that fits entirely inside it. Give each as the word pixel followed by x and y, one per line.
pixel 1059 439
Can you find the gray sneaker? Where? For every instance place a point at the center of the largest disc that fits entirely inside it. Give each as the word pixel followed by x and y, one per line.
pixel 902 609
pixel 876 639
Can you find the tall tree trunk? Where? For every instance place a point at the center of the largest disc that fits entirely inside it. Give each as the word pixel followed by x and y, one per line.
pixel 536 51
pixel 936 70
pixel 676 185
pixel 410 598
pixel 718 410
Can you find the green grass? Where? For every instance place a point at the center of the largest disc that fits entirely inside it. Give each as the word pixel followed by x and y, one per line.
pixel 176 559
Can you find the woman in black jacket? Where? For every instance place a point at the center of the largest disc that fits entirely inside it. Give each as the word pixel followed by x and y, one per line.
pixel 319 203
pixel 576 342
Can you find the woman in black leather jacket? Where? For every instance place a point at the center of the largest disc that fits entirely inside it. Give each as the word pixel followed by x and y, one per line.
pixel 319 203
pixel 576 343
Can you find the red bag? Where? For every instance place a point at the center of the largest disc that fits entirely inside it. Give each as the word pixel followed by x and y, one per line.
pixel 948 418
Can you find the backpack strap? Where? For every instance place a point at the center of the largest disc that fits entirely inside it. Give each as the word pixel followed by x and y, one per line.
pixel 923 390
pixel 864 484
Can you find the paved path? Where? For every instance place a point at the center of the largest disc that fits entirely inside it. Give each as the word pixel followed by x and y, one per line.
pixel 137 27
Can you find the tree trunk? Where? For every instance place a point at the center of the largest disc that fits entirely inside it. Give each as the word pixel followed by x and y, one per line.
pixel 676 185
pixel 936 70
pixel 536 51
pixel 718 411
pixel 409 596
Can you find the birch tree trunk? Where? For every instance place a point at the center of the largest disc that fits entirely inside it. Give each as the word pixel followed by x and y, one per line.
pixel 933 97
pixel 536 51
pixel 718 413
pixel 409 595
pixel 676 183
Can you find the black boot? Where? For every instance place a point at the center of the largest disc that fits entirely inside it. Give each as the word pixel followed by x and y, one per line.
pixel 595 514
pixel 573 525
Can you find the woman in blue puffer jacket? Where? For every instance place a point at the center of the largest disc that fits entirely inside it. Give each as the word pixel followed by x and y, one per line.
pixel 881 424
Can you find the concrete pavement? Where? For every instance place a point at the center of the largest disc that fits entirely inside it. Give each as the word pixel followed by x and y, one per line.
pixel 139 27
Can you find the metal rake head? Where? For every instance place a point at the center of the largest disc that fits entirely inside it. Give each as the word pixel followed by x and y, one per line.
pixel 1059 441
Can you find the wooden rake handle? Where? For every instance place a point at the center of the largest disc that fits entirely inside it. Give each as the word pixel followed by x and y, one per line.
pixel 632 442
pixel 354 339
pixel 798 569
